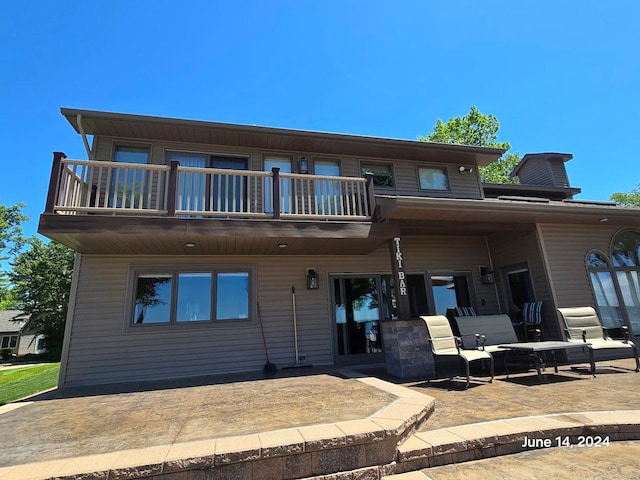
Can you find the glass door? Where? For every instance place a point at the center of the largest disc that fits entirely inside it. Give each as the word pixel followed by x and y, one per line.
pixel 284 164
pixel 449 292
pixel 128 187
pixel 357 320
pixel 327 192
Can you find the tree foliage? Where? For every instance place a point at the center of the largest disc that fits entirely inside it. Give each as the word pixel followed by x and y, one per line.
pixel 41 278
pixel 631 198
pixel 11 219
pixel 11 240
pixel 480 130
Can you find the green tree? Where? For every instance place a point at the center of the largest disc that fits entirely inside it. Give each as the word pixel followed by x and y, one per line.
pixel 7 297
pixel 11 240
pixel 631 198
pixel 41 278
pixel 477 129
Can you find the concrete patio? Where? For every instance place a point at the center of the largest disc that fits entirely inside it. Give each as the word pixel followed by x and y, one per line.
pixel 312 423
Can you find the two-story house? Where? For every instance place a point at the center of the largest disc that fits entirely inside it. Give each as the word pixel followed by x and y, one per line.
pixel 190 234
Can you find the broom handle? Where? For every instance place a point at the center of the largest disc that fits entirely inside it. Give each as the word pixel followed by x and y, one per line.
pixel 295 322
pixel 264 340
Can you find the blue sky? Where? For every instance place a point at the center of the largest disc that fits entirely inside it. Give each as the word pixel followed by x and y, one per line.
pixel 559 75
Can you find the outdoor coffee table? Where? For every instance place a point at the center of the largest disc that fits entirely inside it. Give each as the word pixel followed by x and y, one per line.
pixel 548 350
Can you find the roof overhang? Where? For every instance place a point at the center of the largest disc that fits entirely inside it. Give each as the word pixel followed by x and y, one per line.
pixel 124 125
pixel 494 190
pixel 501 214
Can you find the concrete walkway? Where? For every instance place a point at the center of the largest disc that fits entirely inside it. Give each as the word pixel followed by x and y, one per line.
pixel 306 423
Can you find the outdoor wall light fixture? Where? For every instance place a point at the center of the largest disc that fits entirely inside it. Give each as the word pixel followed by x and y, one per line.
pixel 312 279
pixel 464 170
pixel 303 165
pixel 189 244
pixel 486 276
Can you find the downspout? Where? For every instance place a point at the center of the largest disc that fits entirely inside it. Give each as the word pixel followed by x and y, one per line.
pixel 84 136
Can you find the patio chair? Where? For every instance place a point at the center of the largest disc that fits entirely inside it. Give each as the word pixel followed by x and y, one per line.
pixel 583 325
pixel 443 343
pixel 532 316
pixel 486 332
pixel 465 311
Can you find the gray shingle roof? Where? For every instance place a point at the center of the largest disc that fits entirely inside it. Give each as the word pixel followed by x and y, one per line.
pixel 6 325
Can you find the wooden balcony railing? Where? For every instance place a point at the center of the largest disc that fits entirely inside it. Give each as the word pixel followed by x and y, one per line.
pixel 82 186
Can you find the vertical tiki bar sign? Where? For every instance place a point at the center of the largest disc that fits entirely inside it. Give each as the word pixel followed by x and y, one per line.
pixel 400 279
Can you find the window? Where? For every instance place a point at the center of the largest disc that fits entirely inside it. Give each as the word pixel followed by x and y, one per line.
pixel 284 164
pixel 131 154
pixel 40 345
pixel 232 295
pixel 9 341
pixel 129 186
pixel 625 251
pixel 615 281
pixel 604 290
pixel 431 178
pixel 194 297
pixel 382 174
pixel 450 291
pixel 153 298
pixel 191 297
pixel 328 196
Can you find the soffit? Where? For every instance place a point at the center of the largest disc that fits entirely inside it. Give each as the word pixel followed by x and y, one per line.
pixel 268 138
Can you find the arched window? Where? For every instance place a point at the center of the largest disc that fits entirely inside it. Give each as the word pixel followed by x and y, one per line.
pixel 625 255
pixel 625 249
pixel 604 289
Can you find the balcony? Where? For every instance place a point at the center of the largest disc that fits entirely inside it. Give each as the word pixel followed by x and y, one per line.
pixel 102 207
pixel 80 187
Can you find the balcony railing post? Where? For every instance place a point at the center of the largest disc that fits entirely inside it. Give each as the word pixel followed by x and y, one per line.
pixel 173 188
pixel 276 192
pixel 371 196
pixel 54 181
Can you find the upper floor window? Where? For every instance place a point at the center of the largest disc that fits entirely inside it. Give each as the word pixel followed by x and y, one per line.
pixel 326 168
pixel 382 174
pixel 131 154
pixel 433 178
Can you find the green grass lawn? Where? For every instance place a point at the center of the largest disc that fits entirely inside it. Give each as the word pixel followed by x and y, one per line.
pixel 17 383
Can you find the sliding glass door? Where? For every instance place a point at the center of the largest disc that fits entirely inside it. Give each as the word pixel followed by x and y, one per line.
pixel 357 320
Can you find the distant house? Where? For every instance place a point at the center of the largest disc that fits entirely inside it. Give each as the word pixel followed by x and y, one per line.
pixel 190 234
pixel 15 337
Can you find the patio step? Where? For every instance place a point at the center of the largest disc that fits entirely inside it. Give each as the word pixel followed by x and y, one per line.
pixel 502 437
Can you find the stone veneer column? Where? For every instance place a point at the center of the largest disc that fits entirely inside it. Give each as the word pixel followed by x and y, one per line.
pixel 407 350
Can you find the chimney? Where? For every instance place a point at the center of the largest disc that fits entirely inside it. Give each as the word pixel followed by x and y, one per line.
pixel 543 169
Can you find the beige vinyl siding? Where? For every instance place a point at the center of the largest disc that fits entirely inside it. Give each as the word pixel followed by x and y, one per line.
pixel 405 170
pixel 439 254
pixel 566 247
pixel 102 349
pixel 523 247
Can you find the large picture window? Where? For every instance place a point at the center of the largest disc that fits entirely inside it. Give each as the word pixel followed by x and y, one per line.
pixel 190 297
